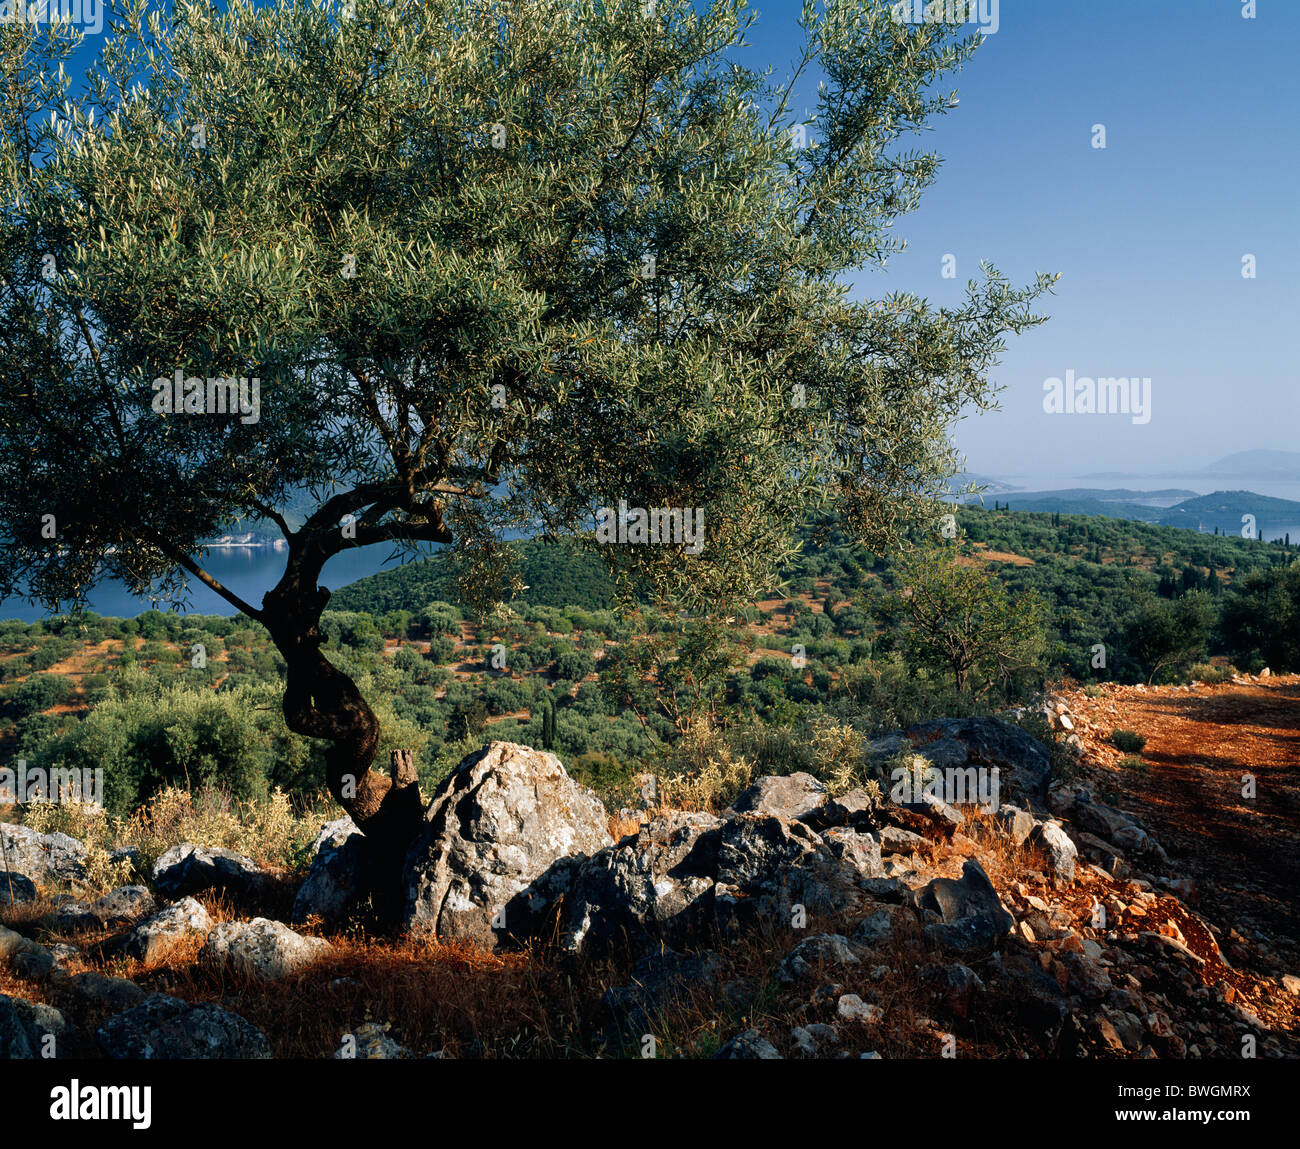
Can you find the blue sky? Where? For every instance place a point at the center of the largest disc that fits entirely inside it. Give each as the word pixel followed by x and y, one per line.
pixel 1202 111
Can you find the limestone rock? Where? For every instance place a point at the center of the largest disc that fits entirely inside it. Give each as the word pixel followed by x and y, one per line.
pixel 503 818
pixel 262 949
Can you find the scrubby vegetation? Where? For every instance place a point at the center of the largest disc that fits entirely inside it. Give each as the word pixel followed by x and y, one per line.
pixel 844 651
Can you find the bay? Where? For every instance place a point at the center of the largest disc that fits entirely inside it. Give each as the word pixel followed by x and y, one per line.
pixel 248 571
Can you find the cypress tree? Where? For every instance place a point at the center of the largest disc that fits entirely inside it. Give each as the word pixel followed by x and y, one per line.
pixel 548 724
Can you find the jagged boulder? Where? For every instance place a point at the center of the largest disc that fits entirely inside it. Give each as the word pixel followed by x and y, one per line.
pixel 262 949
pixel 767 865
pixel 962 744
pixel 338 876
pixel 188 869
pixel 654 885
pixel 787 795
pixel 964 914
pixel 42 858
pixel 166 1028
pixel 505 818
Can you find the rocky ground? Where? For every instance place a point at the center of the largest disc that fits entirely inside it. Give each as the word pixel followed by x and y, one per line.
pixel 1106 908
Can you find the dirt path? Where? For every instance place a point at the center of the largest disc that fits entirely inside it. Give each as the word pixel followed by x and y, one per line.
pixel 1244 853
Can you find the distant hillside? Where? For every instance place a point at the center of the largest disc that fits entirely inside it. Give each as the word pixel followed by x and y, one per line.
pixel 1222 509
pixel 1115 494
pixel 991 486
pixel 1257 465
pixel 556 574
pixel 1260 464
pixel 1063 503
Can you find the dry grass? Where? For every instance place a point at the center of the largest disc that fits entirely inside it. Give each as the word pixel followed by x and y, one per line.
pixel 272 833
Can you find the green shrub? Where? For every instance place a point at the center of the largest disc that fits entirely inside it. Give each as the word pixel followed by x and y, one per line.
pixel 39 692
pixel 1127 740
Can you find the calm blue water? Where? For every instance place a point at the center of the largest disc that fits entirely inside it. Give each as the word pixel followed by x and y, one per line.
pixel 249 571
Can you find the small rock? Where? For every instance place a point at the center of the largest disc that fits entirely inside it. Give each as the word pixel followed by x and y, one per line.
pixel 748 1046
pixel 163 932
pixel 115 992
pixel 370 1042
pixel 1110 1038
pixel 16 888
pixel 31 1030
pixel 859 809
pixel 123 906
pixel 263 949
pixel 70 916
pixel 861 851
pixel 190 869
pixel 42 858
pixel 165 1028
pixel 11 941
pixel 818 950
pixel 896 841
pixel 874 930
pixel 32 964
pixel 852 1008
pixel 1061 851
pixel 789 796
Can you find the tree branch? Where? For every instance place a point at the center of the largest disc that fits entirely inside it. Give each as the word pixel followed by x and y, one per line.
pixel 181 559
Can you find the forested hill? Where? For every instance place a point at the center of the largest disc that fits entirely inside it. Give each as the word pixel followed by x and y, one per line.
pixel 556 574
pixel 1222 510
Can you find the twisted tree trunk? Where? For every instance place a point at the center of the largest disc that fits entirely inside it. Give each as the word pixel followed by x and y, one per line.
pixel 320 701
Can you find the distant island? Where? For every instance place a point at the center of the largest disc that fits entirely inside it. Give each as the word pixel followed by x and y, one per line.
pixel 1257 464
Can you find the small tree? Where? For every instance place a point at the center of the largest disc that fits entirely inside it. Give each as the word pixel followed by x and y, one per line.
pixel 1163 634
pixel 962 620
pixel 1261 618
pixel 548 723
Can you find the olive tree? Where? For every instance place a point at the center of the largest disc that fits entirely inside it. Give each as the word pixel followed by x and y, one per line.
pixel 960 618
pixel 490 266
